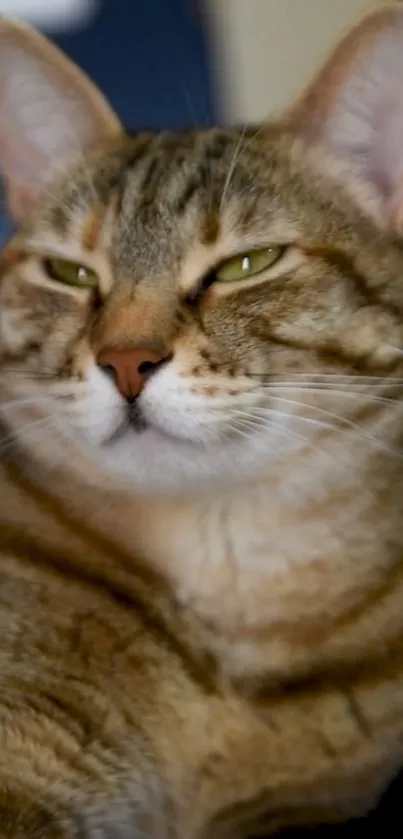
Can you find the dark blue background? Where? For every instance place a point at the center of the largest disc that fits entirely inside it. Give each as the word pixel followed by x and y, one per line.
pixel 149 57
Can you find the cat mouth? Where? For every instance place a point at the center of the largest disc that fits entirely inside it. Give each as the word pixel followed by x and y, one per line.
pixel 133 420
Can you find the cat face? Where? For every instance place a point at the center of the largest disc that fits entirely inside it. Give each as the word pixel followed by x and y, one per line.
pixel 194 307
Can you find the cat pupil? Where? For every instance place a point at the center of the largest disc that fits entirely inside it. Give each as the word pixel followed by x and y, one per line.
pixel 246 263
pixel 82 274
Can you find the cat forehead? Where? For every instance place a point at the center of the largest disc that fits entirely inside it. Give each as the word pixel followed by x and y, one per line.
pixel 182 185
pixel 158 177
pixel 188 201
pixel 168 204
pixel 150 199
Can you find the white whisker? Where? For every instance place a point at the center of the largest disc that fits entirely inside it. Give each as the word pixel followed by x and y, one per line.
pixel 342 423
pixel 231 169
pixel 325 377
pixel 12 437
pixel 329 390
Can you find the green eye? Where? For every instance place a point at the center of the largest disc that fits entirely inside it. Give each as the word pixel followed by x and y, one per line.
pixel 248 264
pixel 71 273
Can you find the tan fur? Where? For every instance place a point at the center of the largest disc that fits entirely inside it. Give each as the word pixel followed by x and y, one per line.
pixel 186 651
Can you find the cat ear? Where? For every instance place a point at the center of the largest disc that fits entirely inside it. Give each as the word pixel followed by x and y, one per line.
pixel 50 113
pixel 354 107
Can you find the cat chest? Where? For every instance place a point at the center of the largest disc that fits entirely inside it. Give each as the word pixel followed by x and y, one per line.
pixel 269 581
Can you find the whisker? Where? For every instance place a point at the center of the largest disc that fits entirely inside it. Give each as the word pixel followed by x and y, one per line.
pixel 19 403
pixel 240 150
pixel 13 436
pixel 231 169
pixel 256 423
pixel 357 378
pixel 240 431
pixel 279 431
pixel 341 422
pixel 57 398
pixel 328 390
pixel 271 413
pixel 22 374
pixel 68 386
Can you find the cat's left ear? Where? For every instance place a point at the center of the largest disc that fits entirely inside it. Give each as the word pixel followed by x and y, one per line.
pixel 354 108
pixel 50 113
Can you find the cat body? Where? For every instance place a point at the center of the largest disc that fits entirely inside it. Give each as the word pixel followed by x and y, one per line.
pixel 116 719
pixel 201 517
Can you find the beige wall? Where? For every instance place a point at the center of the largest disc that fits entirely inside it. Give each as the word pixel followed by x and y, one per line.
pixel 264 51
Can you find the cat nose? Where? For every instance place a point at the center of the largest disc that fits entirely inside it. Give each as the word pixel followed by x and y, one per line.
pixel 131 368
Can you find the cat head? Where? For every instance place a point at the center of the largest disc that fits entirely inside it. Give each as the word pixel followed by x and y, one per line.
pixel 193 306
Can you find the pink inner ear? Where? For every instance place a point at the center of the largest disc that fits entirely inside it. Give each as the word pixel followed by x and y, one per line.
pixel 50 113
pixel 354 107
pixel 21 158
pixel 21 201
pixel 23 162
pixel 387 147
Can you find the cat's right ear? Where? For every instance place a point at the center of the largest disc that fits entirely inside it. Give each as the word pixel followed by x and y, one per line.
pixel 50 113
pixel 353 109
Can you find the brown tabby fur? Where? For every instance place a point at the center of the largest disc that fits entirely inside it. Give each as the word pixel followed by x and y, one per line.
pixel 212 656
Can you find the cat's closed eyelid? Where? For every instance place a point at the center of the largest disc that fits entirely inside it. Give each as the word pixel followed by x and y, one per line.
pixel 285 257
pixel 291 258
pixel 49 266
pixel 41 248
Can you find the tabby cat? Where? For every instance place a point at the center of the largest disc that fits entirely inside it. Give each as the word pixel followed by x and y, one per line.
pixel 201 403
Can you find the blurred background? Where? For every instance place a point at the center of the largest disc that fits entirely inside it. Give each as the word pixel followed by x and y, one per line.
pixel 176 63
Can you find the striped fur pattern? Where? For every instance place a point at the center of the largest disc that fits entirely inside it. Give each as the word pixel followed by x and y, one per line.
pixel 201 599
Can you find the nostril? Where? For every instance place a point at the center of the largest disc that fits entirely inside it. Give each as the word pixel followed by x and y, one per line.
pixel 149 366
pixel 146 366
pixel 109 370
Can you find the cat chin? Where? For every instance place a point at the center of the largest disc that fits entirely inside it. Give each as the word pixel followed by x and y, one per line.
pixel 152 463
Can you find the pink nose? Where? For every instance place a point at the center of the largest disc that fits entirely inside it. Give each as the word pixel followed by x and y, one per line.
pixel 130 368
